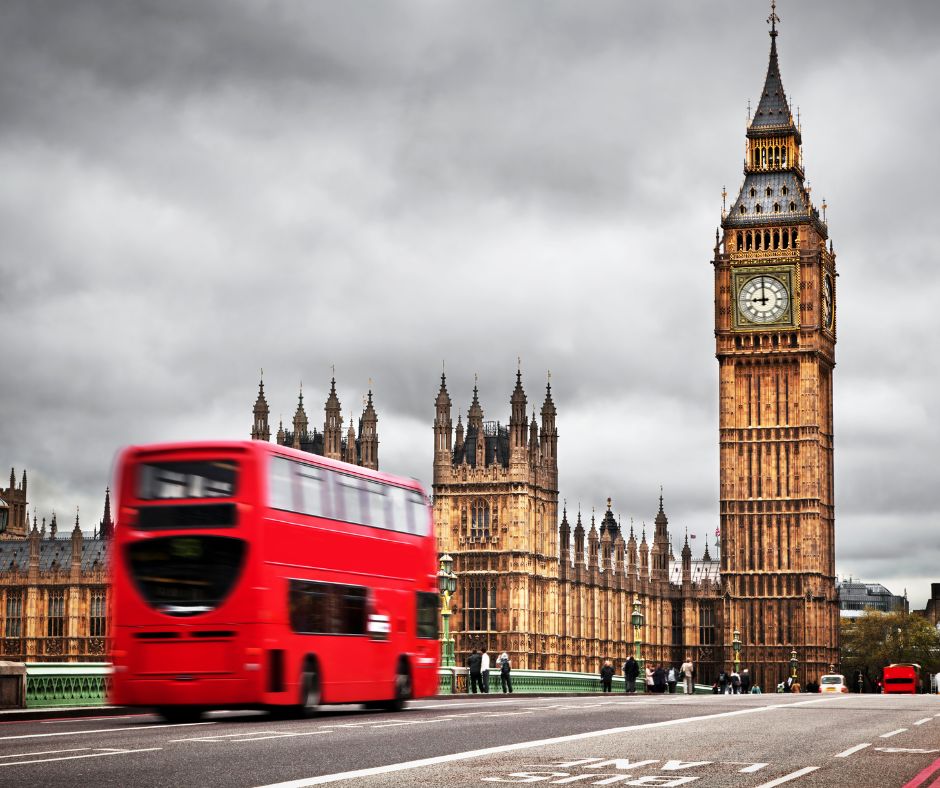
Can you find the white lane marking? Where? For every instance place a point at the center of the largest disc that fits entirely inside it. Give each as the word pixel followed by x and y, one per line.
pixel 103 730
pixel 44 752
pixel 904 749
pixel 461 756
pixel 921 722
pixel 787 777
pixel 852 750
pixel 277 736
pixel 92 719
pixel 754 767
pixel 77 757
pixel 217 737
pixel 889 734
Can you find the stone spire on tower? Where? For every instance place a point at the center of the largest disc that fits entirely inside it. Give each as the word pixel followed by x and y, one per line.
pixel 300 421
pixel 106 527
pixel 333 425
pixel 369 435
pixel 518 425
pixel 443 427
pixel 260 431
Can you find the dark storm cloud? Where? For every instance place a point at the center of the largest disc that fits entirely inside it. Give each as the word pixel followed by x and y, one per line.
pixel 192 191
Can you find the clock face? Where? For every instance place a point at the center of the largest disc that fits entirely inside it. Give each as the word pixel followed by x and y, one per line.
pixel 763 299
pixel 827 301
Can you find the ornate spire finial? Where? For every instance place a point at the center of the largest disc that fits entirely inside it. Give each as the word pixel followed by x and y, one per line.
pixel 724 202
pixel 773 18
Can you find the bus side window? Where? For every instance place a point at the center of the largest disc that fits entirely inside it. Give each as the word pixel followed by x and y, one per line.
pixel 352 496
pixel 399 517
pixel 426 618
pixel 315 492
pixel 280 484
pixel 417 513
pixel 376 499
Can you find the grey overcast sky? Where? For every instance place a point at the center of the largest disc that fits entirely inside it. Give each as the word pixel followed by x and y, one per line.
pixel 193 191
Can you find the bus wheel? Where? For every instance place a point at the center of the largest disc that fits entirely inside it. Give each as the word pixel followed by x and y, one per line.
pixel 180 714
pixel 402 687
pixel 310 688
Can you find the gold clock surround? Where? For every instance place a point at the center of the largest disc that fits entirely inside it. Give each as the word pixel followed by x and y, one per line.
pixel 787 274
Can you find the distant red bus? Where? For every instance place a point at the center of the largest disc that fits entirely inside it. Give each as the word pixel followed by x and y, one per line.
pixel 901 678
pixel 251 575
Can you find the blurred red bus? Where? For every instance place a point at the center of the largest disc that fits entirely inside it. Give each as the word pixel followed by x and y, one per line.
pixel 901 677
pixel 251 575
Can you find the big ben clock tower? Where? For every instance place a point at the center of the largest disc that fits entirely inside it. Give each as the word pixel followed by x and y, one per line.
pixel 775 331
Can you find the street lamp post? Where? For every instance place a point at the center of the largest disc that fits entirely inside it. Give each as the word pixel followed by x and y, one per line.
pixel 793 664
pixel 637 621
pixel 446 584
pixel 736 646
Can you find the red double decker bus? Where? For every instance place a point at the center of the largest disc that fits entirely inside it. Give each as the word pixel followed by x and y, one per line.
pixel 251 575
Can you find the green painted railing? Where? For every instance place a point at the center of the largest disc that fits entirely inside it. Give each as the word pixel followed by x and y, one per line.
pixel 456 681
pixel 50 684
pixel 66 684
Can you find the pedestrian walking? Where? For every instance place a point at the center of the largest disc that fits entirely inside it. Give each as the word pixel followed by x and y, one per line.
pixel 672 679
pixel 473 664
pixel 649 679
pixel 735 682
pixel 607 676
pixel 504 668
pixel 485 670
pixel 631 670
pixel 722 682
pixel 687 669
pixel 659 680
pixel 745 681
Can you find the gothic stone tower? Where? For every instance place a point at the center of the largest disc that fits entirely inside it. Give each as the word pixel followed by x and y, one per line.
pixel 496 509
pixel 775 341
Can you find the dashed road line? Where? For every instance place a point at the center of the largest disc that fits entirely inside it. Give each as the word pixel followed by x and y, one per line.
pixel 103 730
pixel 100 754
pixel 921 722
pixel 889 734
pixel 788 777
pixel 852 750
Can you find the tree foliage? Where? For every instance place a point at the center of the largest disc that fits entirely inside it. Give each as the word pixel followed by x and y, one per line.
pixel 877 639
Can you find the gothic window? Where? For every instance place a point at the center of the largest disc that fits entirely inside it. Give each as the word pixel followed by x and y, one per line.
pixel 783 157
pixel 776 207
pixel 463 519
pixel 756 157
pixel 776 156
pixel 743 210
pixel 14 617
pixel 783 189
pixel 55 613
pixel 769 191
pixel 480 606
pixel 97 614
pixel 753 192
pixel 786 239
pixel 740 240
pixel 758 208
pixel 750 241
pixel 479 519
pixel 763 157
pixel 767 239
pixel 792 206
pixel 706 625
pixel 776 239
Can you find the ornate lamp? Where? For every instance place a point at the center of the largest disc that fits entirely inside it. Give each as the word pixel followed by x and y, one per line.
pixel 447 585
pixel 637 621
pixel 736 646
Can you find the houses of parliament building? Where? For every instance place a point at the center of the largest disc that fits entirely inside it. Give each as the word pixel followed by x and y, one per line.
pixel 557 597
